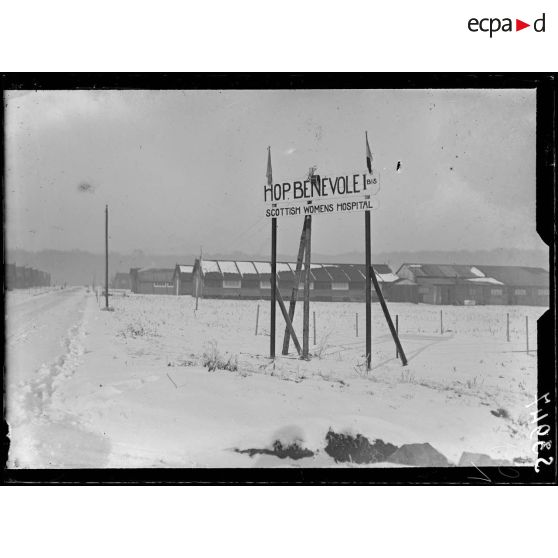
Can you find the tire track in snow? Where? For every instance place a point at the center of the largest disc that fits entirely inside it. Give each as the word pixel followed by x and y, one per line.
pixel 55 437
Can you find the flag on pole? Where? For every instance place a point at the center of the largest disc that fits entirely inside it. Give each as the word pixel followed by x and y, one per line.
pixel 268 173
pixel 368 155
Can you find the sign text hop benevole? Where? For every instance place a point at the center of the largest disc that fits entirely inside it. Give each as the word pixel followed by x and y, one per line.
pixel 320 187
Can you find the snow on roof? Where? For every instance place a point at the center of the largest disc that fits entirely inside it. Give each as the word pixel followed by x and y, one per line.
pixel 476 271
pixel 282 266
pixel 415 265
pixel 246 268
pixel 210 266
pixel 490 280
pixel 262 267
pixel 228 267
pixel 186 268
pixel 387 277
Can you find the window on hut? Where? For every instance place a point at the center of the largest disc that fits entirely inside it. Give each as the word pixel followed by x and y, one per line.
pixel 231 283
pixel 340 286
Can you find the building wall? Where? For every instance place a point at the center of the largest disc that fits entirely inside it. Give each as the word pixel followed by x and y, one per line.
pixel 529 296
pixel 22 277
pixel 183 284
pixel 155 287
pixel 403 293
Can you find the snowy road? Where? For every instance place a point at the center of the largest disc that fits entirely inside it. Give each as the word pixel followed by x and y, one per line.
pixel 37 328
pixel 44 348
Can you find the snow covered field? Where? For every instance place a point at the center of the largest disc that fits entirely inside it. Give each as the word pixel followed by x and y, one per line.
pixel 133 387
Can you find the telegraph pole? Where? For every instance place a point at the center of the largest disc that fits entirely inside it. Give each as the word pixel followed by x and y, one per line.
pixel 106 259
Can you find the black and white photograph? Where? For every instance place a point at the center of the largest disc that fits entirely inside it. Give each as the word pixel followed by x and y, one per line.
pixel 272 276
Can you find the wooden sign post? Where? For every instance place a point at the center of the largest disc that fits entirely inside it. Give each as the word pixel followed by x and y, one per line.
pixel 305 196
pixel 306 311
pixel 368 290
pixel 273 263
pixel 389 321
pixel 294 294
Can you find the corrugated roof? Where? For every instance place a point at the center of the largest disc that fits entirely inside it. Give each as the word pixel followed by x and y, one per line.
pixel 320 273
pixel 517 276
pixel 283 266
pixel 246 268
pixel 284 271
pixel 228 267
pixel 152 274
pixel 287 270
pixel 512 276
pixel 262 267
pixel 210 266
pixel 484 281
pixel 353 271
pixel 336 272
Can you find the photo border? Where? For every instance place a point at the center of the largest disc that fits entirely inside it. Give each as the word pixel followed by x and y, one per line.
pixel 545 86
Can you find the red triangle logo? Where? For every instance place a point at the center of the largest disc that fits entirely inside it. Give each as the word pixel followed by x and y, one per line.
pixel 519 25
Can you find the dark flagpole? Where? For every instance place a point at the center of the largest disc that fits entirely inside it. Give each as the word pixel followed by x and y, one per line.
pixel 368 291
pixel 368 263
pixel 273 265
pixel 273 284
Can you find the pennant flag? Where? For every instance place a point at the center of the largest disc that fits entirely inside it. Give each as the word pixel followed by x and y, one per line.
pixel 368 156
pixel 268 173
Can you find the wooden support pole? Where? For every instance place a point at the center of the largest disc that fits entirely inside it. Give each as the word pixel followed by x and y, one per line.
pixel 294 294
pixel 306 315
pixel 527 333
pixel 288 321
pixel 273 285
pixel 397 331
pixel 441 323
pixel 508 327
pixel 257 319
pixel 314 323
pixel 388 319
pixel 356 323
pixel 367 250
pixel 106 259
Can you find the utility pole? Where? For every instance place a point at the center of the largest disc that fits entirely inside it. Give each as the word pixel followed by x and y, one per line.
pixel 106 259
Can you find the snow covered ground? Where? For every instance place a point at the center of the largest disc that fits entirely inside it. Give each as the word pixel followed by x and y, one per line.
pixel 132 388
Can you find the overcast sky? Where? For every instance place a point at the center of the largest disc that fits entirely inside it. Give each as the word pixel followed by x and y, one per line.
pixel 180 169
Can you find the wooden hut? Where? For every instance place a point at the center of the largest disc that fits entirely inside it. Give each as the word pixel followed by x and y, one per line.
pixel 153 280
pixel 183 279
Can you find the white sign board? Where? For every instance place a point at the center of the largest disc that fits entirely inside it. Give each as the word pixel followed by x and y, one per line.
pixel 319 207
pixel 321 194
pixel 321 187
